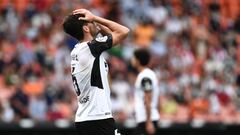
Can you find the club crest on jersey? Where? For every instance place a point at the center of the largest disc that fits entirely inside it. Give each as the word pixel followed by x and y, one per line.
pixel 102 39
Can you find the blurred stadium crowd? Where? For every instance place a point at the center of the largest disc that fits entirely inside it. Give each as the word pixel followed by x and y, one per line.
pixel 195 46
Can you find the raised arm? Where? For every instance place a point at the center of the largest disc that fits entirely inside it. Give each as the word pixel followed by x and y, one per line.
pixel 103 29
pixel 118 31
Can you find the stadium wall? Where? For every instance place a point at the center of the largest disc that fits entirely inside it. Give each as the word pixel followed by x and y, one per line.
pixel 67 128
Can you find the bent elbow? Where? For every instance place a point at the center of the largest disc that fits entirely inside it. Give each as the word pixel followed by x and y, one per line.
pixel 120 35
pixel 126 31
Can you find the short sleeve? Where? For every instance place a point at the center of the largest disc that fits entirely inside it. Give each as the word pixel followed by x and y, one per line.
pixel 146 84
pixel 100 44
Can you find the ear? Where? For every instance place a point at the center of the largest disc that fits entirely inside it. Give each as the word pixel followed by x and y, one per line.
pixel 85 28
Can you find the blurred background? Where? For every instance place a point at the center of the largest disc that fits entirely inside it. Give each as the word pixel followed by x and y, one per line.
pixel 195 46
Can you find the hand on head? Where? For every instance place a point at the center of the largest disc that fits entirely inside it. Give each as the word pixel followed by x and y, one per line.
pixel 88 16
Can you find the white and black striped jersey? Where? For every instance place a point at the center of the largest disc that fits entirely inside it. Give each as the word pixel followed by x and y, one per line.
pixel 146 82
pixel 89 73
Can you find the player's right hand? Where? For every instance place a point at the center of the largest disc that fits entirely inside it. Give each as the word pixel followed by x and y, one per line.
pixel 88 16
pixel 150 128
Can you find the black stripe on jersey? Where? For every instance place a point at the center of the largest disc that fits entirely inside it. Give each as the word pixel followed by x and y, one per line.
pixel 97 46
pixel 96 79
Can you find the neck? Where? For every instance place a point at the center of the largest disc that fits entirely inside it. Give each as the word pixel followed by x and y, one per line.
pixel 141 68
pixel 87 38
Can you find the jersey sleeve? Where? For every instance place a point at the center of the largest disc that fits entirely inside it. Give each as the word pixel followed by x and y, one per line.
pixel 146 84
pixel 100 44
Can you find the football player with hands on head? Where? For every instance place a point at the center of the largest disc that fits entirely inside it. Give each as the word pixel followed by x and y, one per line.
pixel 89 69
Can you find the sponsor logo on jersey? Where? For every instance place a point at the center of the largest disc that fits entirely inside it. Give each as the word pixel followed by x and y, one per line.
pixel 74 57
pixel 102 39
pixel 107 113
pixel 84 100
pixel 106 66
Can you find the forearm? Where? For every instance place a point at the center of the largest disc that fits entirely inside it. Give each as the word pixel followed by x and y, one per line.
pixel 148 107
pixel 148 112
pixel 103 29
pixel 118 31
pixel 113 26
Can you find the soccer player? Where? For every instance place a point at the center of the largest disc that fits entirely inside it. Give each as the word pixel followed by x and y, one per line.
pixel 146 94
pixel 89 70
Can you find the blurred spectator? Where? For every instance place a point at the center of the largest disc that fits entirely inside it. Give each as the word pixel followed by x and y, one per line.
pixel 19 103
pixel 162 14
pixel 38 107
pixel 144 33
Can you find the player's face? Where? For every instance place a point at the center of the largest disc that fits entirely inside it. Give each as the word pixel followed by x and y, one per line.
pixel 93 29
pixel 134 62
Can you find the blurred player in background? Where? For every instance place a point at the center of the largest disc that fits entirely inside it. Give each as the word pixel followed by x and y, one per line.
pixel 89 70
pixel 146 94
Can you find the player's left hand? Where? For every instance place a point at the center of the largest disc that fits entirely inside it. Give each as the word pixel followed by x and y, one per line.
pixel 88 16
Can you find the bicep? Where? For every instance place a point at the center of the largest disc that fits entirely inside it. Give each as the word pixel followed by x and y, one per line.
pixel 146 84
pixel 104 30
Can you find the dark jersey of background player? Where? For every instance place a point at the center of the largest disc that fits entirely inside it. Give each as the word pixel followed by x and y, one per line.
pixel 89 70
pixel 146 94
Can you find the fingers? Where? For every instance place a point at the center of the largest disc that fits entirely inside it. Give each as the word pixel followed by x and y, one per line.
pixel 87 14
pixel 82 18
pixel 79 11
